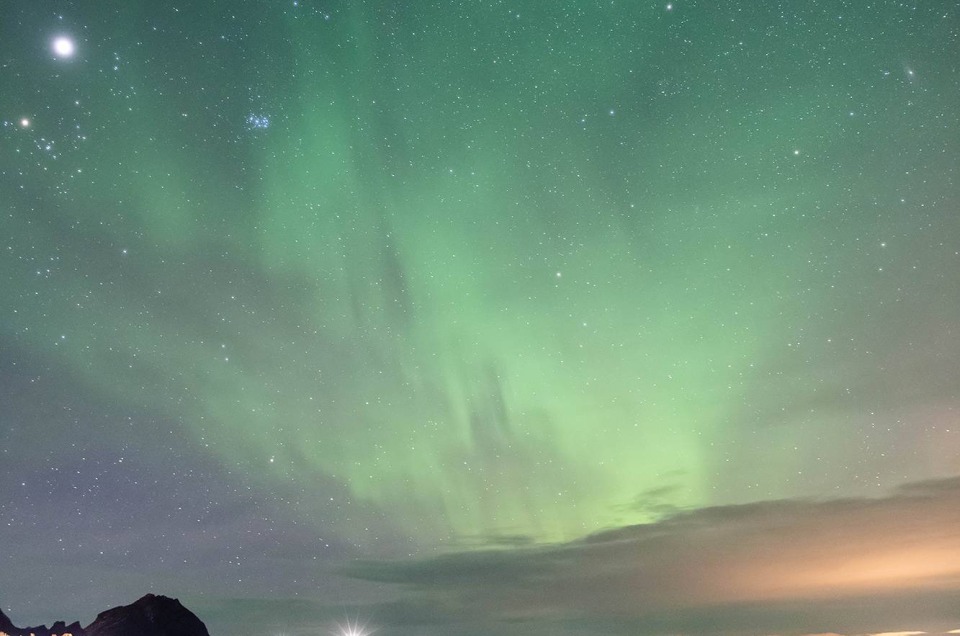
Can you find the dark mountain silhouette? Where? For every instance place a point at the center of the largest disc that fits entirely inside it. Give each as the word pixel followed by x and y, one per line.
pixel 6 626
pixel 151 615
pixel 58 629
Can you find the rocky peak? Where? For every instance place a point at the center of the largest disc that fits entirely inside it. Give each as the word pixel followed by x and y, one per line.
pixel 6 626
pixel 150 615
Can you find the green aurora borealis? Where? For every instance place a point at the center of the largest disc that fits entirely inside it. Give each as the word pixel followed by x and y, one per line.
pixel 438 276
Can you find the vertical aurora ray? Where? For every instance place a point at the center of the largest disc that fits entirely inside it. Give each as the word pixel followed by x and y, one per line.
pixel 495 273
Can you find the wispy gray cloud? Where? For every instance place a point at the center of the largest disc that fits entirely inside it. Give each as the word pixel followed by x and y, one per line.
pixel 851 566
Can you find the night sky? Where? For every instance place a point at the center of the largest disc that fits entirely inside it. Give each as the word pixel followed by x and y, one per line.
pixel 482 317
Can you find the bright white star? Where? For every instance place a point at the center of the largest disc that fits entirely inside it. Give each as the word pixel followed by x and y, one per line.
pixel 64 46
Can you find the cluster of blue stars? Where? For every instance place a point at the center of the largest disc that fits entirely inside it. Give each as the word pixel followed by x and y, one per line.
pixel 258 122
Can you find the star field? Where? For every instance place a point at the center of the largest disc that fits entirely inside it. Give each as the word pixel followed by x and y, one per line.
pixel 294 286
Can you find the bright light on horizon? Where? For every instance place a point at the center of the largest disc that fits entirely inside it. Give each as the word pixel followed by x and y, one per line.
pixel 352 629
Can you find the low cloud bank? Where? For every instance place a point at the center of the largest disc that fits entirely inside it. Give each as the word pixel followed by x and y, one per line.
pixel 850 566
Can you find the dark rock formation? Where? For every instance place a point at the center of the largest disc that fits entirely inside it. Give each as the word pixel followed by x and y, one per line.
pixel 150 616
pixel 6 626
pixel 59 628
